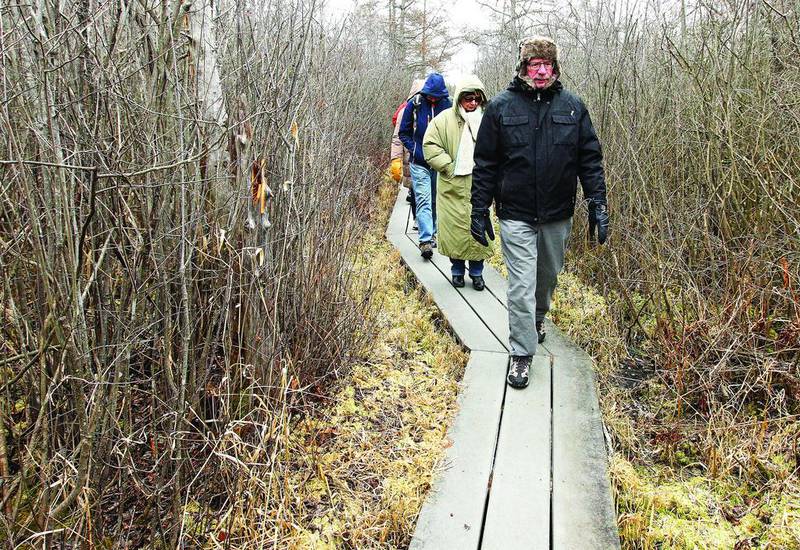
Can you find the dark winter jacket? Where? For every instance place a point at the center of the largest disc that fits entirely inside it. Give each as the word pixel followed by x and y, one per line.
pixel 421 110
pixel 531 149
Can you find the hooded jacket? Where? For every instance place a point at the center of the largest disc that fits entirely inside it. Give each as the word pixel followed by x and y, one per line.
pixel 440 145
pixel 533 147
pixel 411 134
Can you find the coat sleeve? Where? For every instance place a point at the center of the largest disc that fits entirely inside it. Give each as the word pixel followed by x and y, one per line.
pixel 433 146
pixel 590 161
pixel 487 156
pixel 406 131
pixel 396 151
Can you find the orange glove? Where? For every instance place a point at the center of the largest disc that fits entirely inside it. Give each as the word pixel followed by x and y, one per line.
pixel 396 169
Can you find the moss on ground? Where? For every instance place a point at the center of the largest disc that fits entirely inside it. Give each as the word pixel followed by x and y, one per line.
pixel 673 502
pixel 363 466
pixel 661 508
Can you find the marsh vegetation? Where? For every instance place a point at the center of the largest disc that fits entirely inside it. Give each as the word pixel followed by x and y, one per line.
pixel 193 314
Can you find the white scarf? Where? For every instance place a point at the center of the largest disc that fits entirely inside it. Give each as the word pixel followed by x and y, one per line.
pixel 466 147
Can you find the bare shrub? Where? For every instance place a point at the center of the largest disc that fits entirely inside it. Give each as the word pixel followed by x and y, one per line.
pixel 699 130
pixel 151 308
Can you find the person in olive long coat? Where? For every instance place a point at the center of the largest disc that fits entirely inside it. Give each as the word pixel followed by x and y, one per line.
pixel 448 146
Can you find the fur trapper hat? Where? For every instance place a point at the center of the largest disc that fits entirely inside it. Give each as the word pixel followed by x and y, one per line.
pixel 541 47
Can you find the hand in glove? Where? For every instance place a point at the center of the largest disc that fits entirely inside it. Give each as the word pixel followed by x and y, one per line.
pixel 481 225
pixel 598 218
pixel 396 169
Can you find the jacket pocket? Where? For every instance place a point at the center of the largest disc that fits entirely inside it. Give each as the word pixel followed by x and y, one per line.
pixel 565 129
pixel 515 130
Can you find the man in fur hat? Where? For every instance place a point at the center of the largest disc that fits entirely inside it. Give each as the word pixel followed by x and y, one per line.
pixel 535 142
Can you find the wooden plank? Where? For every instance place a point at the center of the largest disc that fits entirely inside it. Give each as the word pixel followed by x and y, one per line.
pixel 582 502
pixel 400 214
pixel 489 308
pixel 581 511
pixel 452 514
pixel 559 344
pixel 518 515
pixel 464 322
pixel 496 284
pixel 492 312
pixel 410 224
pixel 409 214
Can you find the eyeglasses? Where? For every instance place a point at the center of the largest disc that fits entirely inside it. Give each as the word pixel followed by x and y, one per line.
pixel 471 99
pixel 535 65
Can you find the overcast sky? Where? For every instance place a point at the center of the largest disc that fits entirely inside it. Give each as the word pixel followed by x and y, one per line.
pixel 463 13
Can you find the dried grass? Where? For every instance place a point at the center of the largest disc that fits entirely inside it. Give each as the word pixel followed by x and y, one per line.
pixel 352 473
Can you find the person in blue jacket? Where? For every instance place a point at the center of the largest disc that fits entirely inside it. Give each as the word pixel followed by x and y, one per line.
pixel 421 108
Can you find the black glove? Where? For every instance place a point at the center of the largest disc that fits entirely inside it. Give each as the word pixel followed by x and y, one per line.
pixel 481 225
pixel 598 218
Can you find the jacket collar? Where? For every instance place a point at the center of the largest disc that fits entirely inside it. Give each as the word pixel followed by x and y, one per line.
pixel 519 85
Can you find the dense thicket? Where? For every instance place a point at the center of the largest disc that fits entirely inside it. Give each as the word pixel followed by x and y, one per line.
pixel 704 129
pixel 182 186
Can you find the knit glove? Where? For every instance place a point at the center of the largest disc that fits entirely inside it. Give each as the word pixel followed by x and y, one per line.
pixel 481 225
pixel 396 169
pixel 598 219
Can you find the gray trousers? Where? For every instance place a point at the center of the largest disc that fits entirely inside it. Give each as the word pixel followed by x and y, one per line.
pixel 534 256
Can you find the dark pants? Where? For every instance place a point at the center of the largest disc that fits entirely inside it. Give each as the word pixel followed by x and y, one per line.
pixel 459 267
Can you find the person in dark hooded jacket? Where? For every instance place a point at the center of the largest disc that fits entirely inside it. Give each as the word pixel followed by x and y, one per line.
pixel 420 110
pixel 535 142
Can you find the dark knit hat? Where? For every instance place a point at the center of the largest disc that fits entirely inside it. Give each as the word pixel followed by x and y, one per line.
pixel 541 47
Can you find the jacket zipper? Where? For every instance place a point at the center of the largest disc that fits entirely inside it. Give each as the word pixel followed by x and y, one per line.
pixel 535 152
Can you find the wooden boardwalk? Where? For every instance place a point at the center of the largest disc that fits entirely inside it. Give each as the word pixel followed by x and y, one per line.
pixel 527 469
